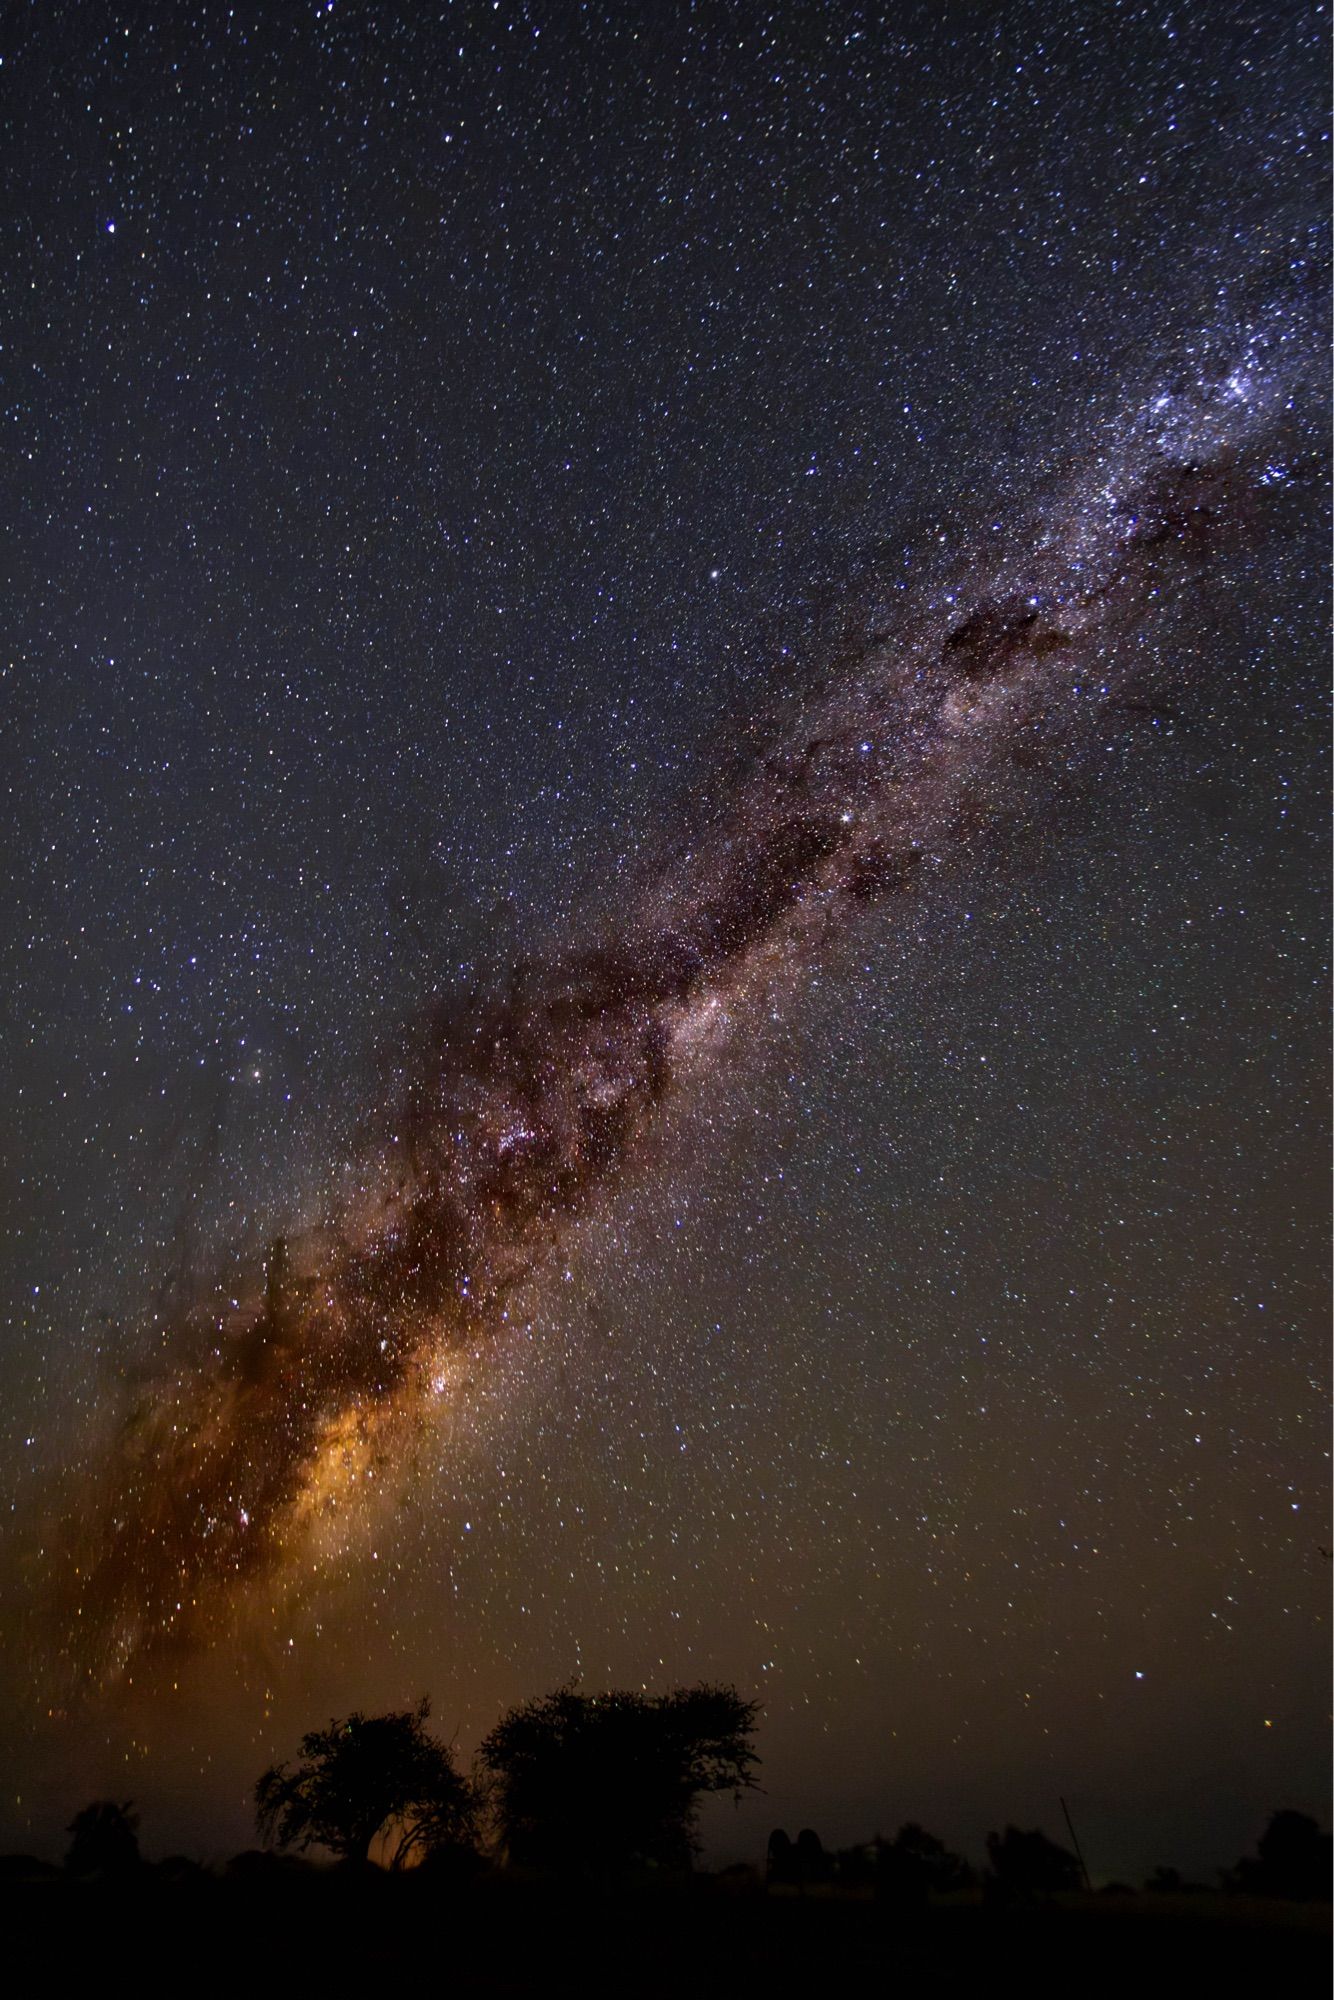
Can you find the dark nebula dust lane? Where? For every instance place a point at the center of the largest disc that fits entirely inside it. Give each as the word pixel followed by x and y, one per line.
pixel 989 671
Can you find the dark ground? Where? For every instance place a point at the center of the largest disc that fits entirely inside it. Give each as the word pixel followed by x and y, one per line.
pixel 327 1930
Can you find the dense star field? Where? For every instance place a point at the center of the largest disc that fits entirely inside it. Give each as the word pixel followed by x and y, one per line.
pixel 667 927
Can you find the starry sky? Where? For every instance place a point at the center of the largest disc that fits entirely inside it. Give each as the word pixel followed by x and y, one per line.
pixel 665 703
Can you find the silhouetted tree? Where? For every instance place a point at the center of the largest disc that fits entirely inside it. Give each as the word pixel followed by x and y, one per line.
pixel 900 1881
pixel 812 1863
pixel 178 1868
pixel 918 1851
pixel 604 1781
pixel 1171 1882
pixel 855 1866
pixel 105 1839
pixel 1292 1860
pixel 1024 1865
pixel 363 1776
pixel 779 1865
pixel 18 1869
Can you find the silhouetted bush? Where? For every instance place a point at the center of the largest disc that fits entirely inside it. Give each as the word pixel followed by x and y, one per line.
pixel 451 1864
pixel 261 1864
pixel 1028 1865
pixel 25 1868
pixel 180 1868
pixel 1170 1882
pixel 854 1867
pixel 919 1852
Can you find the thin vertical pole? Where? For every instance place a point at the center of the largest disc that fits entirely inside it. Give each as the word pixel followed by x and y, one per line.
pixel 1078 1849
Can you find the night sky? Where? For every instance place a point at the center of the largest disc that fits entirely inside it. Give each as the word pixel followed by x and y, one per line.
pixel 665 956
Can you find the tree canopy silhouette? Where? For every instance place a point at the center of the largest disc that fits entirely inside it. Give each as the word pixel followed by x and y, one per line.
pixel 1292 1860
pixel 916 1852
pixel 105 1839
pixel 609 1780
pixel 363 1776
pixel 1028 1864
